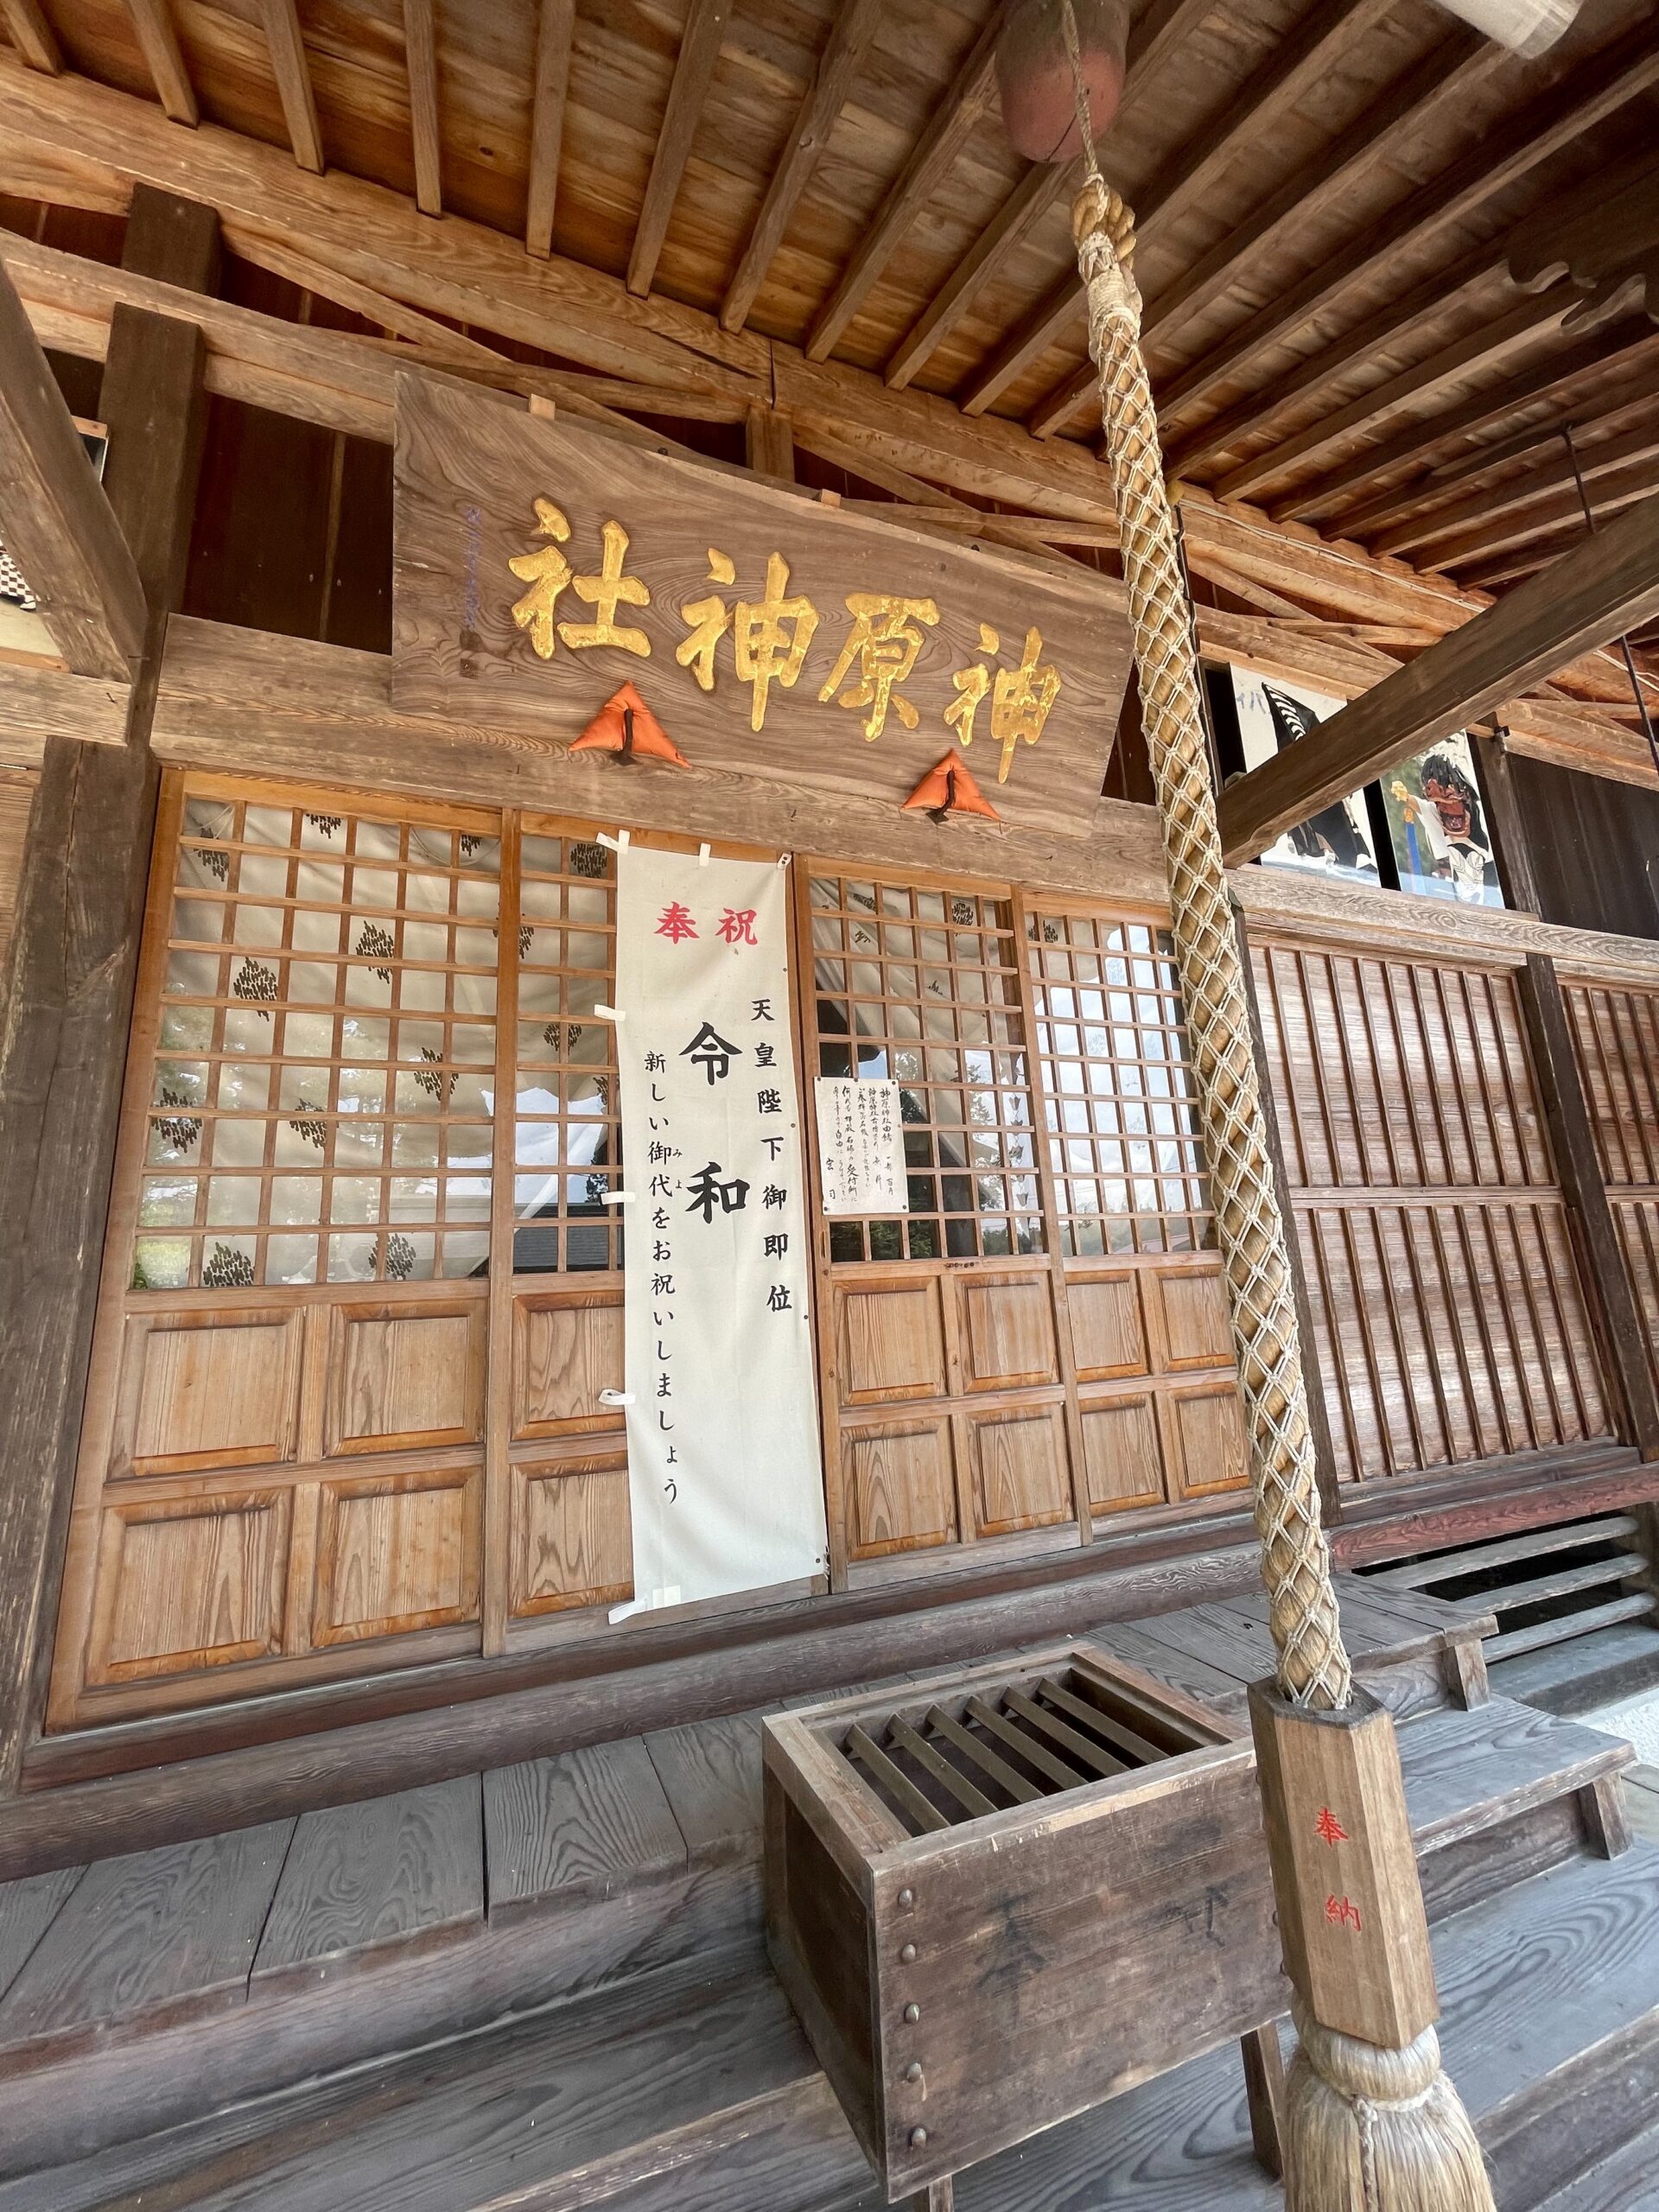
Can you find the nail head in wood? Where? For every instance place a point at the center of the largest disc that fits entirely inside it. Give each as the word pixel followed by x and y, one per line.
pixel 912 2013
pixel 908 1956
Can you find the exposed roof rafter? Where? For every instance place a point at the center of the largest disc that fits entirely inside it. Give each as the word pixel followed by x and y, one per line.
pixel 555 28
pixel 694 72
pixel 152 22
pixel 294 88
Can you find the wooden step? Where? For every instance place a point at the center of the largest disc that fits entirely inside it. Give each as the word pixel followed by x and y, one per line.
pixel 1536 1543
pixel 672 2097
pixel 1586 1671
pixel 1627 2182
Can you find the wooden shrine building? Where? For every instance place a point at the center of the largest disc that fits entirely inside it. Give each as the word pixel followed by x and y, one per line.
pixel 530 527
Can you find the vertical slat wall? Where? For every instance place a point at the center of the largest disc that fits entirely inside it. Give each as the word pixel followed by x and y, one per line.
pixel 1452 1325
pixel 1616 1038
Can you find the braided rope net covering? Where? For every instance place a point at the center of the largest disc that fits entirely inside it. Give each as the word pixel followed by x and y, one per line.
pixel 1313 1667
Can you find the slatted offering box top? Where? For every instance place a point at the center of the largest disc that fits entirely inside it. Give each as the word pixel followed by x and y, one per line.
pixel 1010 1893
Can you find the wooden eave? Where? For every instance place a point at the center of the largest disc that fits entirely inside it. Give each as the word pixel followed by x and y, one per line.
pixel 1336 202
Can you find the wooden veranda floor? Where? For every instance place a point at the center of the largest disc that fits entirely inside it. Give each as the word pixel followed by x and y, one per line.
pixel 543 1987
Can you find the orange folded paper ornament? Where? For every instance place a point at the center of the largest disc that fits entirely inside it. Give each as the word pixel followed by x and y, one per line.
pixel 625 726
pixel 949 788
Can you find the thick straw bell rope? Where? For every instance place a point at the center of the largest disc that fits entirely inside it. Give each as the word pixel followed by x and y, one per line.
pixel 1368 2127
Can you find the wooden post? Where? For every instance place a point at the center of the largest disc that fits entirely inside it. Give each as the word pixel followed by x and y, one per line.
pixel 1506 825
pixel 70 979
pixel 1595 1236
pixel 1319 1418
pixel 1345 1868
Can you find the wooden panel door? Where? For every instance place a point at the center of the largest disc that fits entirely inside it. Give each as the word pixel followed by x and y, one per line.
pixel 1616 1040
pixel 944 1361
pixel 283 1456
pixel 1449 1319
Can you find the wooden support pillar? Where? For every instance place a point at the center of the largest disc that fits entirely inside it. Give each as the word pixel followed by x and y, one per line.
pixel 1506 825
pixel 70 975
pixel 1319 1418
pixel 1595 1236
pixel 769 447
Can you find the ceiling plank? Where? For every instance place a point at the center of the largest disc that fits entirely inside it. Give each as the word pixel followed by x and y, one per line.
pixel 957 116
pixel 1449 72
pixel 1526 319
pixel 1495 501
pixel 1603 85
pixel 33 37
pixel 555 31
pixel 425 126
pixel 152 21
pixel 1040 188
pixel 1330 28
pixel 1158 33
pixel 855 27
pixel 1542 385
pixel 1605 585
pixel 485 282
pixel 53 516
pixel 1505 551
pixel 694 72
pixel 294 87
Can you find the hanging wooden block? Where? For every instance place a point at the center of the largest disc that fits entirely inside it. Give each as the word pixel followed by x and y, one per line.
pixel 949 788
pixel 625 726
pixel 1345 1868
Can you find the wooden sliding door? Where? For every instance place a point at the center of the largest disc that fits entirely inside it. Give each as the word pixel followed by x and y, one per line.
pixel 1041 1341
pixel 1450 1320
pixel 363 1292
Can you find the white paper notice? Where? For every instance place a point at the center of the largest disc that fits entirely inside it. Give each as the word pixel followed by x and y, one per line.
pixel 861 1147
pixel 724 1474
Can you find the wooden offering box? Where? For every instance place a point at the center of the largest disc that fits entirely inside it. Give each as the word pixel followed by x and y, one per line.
pixel 1010 1894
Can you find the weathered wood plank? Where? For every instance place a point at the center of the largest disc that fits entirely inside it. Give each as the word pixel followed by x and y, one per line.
pixel 710 1773
pixel 583 1822
pixel 57 521
pixel 38 703
pixel 26 1911
pixel 175 1928
pixel 376 1872
pixel 469 470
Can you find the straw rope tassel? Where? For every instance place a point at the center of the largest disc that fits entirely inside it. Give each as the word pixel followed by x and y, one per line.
pixel 1372 2123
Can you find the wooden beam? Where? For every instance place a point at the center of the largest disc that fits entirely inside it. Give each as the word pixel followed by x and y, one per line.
pixel 152 21
pixel 694 72
pixel 768 446
pixel 1605 585
pixel 426 129
pixel 555 32
pixel 855 26
pixel 54 518
pixel 1547 384
pixel 958 115
pixel 80 906
pixel 1572 1139
pixel 33 37
pixel 1621 72
pixel 286 43
pixel 1326 31
pixel 1518 327
pixel 1492 501
pixel 37 704
pixel 436 339
pixel 1608 490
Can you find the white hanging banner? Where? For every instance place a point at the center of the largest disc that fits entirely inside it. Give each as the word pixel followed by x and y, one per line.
pixel 724 1473
pixel 861 1147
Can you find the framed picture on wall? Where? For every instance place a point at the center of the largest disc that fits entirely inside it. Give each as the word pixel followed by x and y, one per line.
pixel 1437 826
pixel 1335 841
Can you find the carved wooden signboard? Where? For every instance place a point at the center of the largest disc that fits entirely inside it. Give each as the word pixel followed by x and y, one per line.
pixel 539 567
